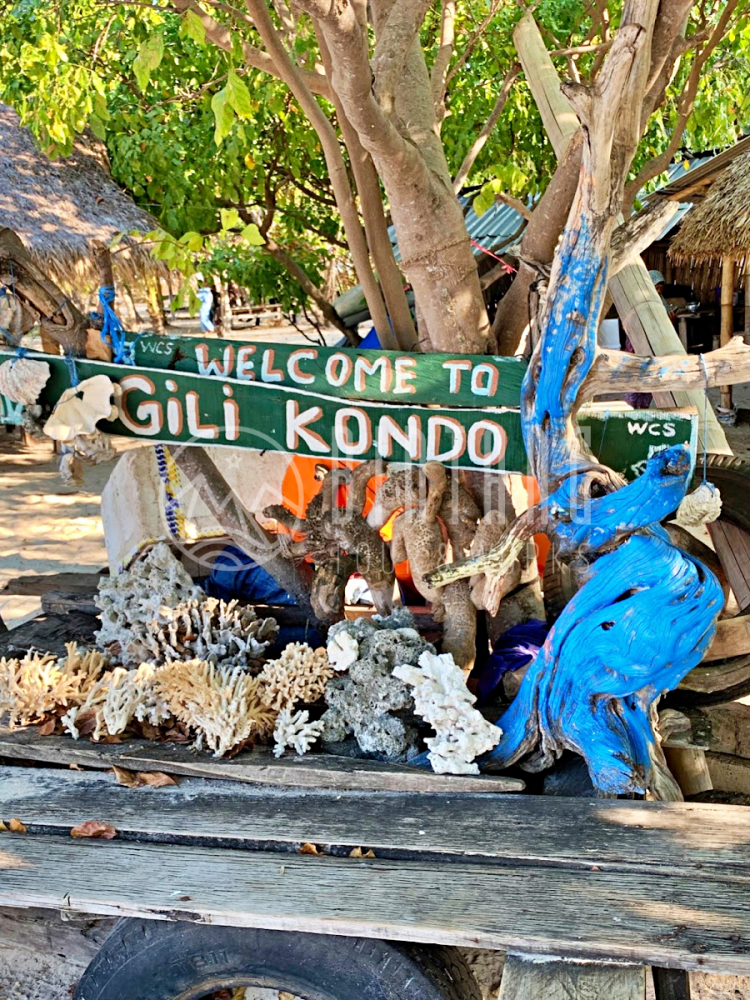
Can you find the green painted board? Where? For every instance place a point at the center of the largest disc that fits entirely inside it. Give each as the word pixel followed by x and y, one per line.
pixel 379 376
pixel 168 406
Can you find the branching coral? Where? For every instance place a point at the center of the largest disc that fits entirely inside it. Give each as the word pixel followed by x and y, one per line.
pixel 118 697
pixel 442 699
pixel 294 731
pixel 39 684
pixel 299 675
pixel 369 702
pixel 154 612
pixel 222 704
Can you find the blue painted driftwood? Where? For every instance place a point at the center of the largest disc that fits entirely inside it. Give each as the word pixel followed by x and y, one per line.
pixel 645 612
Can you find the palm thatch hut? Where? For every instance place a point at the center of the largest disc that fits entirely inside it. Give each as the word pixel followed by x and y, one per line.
pixel 716 233
pixel 68 211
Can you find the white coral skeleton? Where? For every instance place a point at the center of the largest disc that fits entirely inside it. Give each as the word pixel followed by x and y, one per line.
pixel 221 704
pixel 81 407
pixel 299 675
pixel 294 731
pixel 442 699
pixel 154 612
pixel 343 650
pixel 37 684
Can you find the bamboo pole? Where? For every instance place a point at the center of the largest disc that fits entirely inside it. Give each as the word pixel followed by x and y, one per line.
pixel 727 319
pixel 641 311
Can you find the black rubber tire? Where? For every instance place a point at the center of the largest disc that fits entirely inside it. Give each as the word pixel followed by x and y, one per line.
pixel 164 960
pixel 732 476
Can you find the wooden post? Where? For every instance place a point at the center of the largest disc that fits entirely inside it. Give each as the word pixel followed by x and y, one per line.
pixel 533 978
pixel 747 301
pixel 640 309
pixel 727 318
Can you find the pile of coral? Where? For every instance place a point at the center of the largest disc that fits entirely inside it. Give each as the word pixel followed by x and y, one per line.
pixel 154 612
pixel 378 682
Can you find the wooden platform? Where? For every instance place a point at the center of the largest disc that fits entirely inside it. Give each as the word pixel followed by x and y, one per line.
pixel 620 881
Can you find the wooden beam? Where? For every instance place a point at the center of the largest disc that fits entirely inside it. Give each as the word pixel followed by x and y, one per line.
pixel 655 839
pixel 727 318
pixel 700 922
pixel 258 765
pixel 530 979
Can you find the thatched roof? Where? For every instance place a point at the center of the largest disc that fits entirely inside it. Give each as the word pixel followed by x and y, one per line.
pixel 720 225
pixel 64 209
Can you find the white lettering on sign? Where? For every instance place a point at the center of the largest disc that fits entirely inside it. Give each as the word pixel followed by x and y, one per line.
pixel 499 442
pixel 435 428
pixel 656 429
pixel 406 372
pixel 410 439
pixel 484 379
pixel 455 368
pixel 297 426
pixel 338 369
pixel 267 371
pixel 212 366
pixel 150 414
pixel 245 366
pixel 350 442
pixel 365 366
pixel 295 374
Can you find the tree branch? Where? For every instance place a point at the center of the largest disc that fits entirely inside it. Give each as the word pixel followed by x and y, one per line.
pixel 396 37
pixel 473 39
pixel 444 53
pixel 220 36
pixel 616 371
pixel 478 145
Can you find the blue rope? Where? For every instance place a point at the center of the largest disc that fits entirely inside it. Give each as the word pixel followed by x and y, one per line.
pixel 70 362
pixel 123 353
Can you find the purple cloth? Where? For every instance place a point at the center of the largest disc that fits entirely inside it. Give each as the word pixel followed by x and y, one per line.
pixel 515 648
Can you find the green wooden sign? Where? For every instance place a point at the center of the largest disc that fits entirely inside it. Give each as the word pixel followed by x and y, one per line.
pixel 170 406
pixel 379 376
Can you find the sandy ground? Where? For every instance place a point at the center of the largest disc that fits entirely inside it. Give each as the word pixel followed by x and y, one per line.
pixel 46 527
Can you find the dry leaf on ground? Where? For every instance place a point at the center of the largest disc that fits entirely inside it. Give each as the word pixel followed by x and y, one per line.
pixel 157 779
pixel 93 828
pixel 309 849
pixel 359 853
pixel 16 826
pixel 47 728
pixel 127 778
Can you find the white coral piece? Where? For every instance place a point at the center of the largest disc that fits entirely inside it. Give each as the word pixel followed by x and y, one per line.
pixel 294 731
pixel 299 675
pixel 22 380
pixel 222 705
pixel 37 684
pixel 343 650
pixel 154 612
pixel 442 698
pixel 81 407
pixel 133 694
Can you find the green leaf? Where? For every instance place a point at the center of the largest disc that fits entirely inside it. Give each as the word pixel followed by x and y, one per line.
pixel 238 95
pixel 223 115
pixel 251 234
pixel 192 27
pixel 149 56
pixel 97 127
pixel 230 218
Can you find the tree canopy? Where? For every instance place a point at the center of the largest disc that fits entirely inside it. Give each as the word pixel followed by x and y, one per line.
pixel 270 139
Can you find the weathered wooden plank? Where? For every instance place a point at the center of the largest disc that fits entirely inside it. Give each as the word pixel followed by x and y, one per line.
pixel 733 549
pixel 49 633
pixel 729 773
pixel 525 979
pixel 719 728
pixel 38 584
pixel 257 765
pixel 685 922
pixel 732 639
pixel 653 839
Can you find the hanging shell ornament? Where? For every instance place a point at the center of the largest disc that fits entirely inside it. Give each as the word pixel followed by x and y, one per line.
pixel 22 380
pixel 80 408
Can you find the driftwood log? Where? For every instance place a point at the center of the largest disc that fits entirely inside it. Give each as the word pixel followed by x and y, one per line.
pixel 646 611
pixel 40 299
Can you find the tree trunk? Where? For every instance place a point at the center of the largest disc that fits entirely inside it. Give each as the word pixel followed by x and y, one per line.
pixel 59 319
pixel 727 319
pixel 154 303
